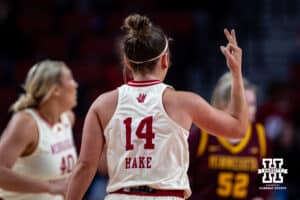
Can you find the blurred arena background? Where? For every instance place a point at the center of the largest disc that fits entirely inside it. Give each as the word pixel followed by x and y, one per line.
pixel 85 34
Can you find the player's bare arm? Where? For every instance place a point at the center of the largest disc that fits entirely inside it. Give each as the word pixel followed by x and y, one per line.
pixel 238 107
pixel 19 139
pixel 209 118
pixel 91 150
pixel 234 124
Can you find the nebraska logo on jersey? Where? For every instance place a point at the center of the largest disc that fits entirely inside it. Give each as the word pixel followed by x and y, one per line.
pixel 141 98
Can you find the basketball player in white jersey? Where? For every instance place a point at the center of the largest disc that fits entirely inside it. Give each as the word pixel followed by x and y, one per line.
pixel 145 123
pixel 37 152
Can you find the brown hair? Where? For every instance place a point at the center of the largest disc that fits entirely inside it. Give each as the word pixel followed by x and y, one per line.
pixel 143 43
pixel 39 81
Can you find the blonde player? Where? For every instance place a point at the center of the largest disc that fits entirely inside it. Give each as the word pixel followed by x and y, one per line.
pixel 227 169
pixel 37 152
pixel 145 123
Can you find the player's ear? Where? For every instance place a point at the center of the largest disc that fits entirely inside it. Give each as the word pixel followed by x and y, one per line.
pixel 165 61
pixel 56 90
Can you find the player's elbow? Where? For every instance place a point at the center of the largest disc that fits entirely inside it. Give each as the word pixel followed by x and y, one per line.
pixel 240 131
pixel 85 165
pixel 241 125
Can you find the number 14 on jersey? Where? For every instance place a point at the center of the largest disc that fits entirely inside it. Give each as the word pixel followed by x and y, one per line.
pixel 143 131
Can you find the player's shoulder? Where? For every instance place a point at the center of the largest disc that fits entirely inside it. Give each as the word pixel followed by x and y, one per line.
pixel 182 98
pixel 23 119
pixel 185 99
pixel 178 93
pixel 258 124
pixel 258 128
pixel 21 125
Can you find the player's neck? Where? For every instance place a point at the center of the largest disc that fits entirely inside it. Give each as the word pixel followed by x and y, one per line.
pixel 139 77
pixel 49 114
pixel 234 141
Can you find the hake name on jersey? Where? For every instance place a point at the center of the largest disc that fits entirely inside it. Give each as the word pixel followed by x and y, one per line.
pixel 138 162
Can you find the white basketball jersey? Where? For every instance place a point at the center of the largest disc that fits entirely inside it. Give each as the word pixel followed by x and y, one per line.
pixel 53 158
pixel 144 145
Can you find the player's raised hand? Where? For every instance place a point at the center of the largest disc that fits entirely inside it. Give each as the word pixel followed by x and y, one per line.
pixel 232 52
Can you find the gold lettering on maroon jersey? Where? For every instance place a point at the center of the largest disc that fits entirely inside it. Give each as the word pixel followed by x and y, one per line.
pixel 246 163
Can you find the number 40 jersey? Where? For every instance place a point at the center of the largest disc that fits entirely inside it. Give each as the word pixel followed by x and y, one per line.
pixel 53 158
pixel 144 145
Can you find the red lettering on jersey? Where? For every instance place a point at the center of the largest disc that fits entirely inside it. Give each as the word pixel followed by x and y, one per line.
pixel 141 162
pixel 141 98
pixel 149 159
pixel 134 164
pixel 141 133
pixel 138 162
pixel 61 146
pixel 127 162
pixel 67 164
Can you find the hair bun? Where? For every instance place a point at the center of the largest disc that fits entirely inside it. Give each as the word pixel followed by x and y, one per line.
pixel 137 25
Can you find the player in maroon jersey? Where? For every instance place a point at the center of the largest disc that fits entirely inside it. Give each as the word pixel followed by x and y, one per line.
pixel 227 169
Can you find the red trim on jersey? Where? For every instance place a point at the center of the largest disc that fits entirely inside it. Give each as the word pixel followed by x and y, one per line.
pixel 156 193
pixel 143 83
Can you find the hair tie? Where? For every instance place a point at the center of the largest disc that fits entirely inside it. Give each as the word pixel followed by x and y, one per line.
pixel 151 59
